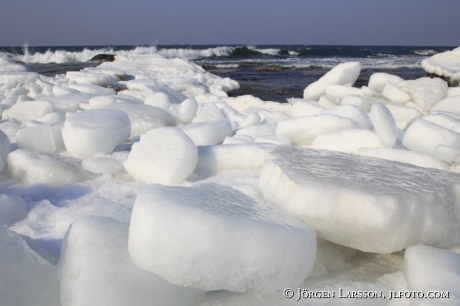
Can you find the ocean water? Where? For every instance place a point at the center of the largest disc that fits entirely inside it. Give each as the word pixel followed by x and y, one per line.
pixel 270 72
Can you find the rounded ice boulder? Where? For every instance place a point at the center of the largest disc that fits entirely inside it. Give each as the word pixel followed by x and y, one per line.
pixel 164 155
pixel 213 237
pixel 96 131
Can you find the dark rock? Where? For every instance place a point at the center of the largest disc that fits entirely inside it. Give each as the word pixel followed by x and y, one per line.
pixel 270 68
pixel 450 83
pixel 103 58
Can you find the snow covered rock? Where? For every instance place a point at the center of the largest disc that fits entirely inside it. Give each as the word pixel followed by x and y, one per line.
pixel 35 167
pixel 429 269
pixel 345 73
pixel 164 155
pixel 303 130
pixel 95 269
pixel 369 204
pixel 222 239
pixel 25 277
pixel 96 131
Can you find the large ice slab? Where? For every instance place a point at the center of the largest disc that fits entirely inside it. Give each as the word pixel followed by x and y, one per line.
pixel 222 239
pixel 426 92
pixel 96 131
pixel 365 203
pixel 95 269
pixel 342 74
pixel 25 277
pixel 443 64
pixel 208 133
pixel 21 112
pixel 429 269
pixel 163 155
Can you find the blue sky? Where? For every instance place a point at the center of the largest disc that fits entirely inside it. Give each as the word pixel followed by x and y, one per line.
pixel 144 22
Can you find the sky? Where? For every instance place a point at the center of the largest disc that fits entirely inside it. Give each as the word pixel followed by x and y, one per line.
pixel 225 22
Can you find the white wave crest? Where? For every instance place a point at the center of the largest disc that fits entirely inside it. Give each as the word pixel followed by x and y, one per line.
pixel 191 54
pixel 269 51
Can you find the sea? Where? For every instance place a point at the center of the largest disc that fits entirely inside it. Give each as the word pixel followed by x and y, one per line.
pixel 270 72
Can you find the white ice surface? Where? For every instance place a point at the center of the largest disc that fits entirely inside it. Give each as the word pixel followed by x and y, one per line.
pixel 12 209
pixel 379 80
pixel 208 133
pixel 95 269
pixel 105 165
pixel 222 238
pixel 384 124
pixel 346 141
pixel 426 92
pixel 443 64
pixel 365 203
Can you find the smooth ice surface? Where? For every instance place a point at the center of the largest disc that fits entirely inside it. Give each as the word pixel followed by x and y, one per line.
pixel 379 80
pixel 222 239
pixel 35 167
pixel 163 155
pixel 340 91
pixel 208 133
pixel 303 107
pixel 258 130
pixel 384 124
pixel 346 141
pixel 426 92
pixel 96 131
pixel 105 165
pixel 5 149
pixel 405 156
pixel 364 203
pixel 93 89
pixel 428 269
pixel 403 115
pixel 352 112
pixel 303 130
pixel 25 277
pixel 207 113
pixel 423 136
pixel 450 104
pixel 395 94
pixel 95 269
pixel 362 102
pixel 12 209
pixel 40 137
pixel 345 73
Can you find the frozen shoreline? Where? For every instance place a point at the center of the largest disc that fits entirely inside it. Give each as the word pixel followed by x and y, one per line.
pixel 233 199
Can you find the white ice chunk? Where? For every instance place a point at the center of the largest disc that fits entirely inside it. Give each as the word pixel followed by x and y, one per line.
pixel 5 149
pixel 450 104
pixel 222 239
pixel 93 89
pixel 208 133
pixel 163 155
pixel 379 80
pixel 159 99
pixel 258 130
pixel 403 115
pixel 426 92
pixel 96 131
pixel 40 137
pixel 12 209
pixel 443 64
pixel 347 141
pixel 142 117
pixel 340 91
pixel 301 108
pixel 52 118
pixel 100 101
pixel 443 119
pixel 281 140
pixel 395 94
pixel 173 96
pixel 21 112
pixel 364 103
pixel 345 73
pixel 352 112
pixel 99 79
pixel 35 167
pixel 214 159
pixel 95 269
pixel 384 124
pixel 25 277
pixel 207 113
pixel 429 269
pixel 404 156
pixel 453 91
pixel 106 165
pixel 20 77
pixel 327 102
pixel 303 130
pixel 251 120
pixel 446 153
pixel 423 136
pixel 69 103
pixel 187 111
pixel 369 204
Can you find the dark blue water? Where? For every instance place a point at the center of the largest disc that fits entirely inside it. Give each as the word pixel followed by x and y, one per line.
pixel 271 72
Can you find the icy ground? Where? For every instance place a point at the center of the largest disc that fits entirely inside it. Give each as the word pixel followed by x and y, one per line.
pixel 140 182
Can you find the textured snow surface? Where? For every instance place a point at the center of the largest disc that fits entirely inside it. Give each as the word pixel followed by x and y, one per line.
pixel 365 203
pixel 222 239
